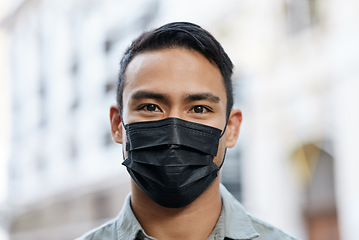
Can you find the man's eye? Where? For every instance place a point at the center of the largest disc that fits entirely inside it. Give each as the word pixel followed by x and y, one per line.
pixel 150 108
pixel 200 109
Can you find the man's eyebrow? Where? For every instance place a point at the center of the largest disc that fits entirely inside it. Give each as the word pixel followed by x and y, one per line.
pixel 141 94
pixel 202 96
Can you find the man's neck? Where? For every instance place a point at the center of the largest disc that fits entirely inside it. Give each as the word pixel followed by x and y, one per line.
pixel 194 221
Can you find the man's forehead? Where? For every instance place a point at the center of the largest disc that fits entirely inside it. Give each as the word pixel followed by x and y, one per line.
pixel 167 58
pixel 177 50
pixel 178 71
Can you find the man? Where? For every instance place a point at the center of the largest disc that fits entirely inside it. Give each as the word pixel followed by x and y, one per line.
pixel 174 119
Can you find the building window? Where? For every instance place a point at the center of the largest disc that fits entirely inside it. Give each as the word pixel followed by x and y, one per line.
pixel 110 86
pixel 300 15
pixel 74 68
pixel 73 149
pixel 108 45
pixel 42 102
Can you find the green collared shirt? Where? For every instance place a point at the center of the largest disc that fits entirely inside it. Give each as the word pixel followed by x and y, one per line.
pixel 234 223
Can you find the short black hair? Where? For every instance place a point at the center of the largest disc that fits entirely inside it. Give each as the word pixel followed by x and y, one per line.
pixel 180 34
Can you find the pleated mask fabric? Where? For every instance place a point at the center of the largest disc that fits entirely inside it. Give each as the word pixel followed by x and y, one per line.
pixel 171 160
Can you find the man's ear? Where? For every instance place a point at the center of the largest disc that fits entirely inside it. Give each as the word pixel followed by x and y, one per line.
pixel 233 126
pixel 116 124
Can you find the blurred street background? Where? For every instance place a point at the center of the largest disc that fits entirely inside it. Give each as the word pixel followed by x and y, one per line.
pixel 296 80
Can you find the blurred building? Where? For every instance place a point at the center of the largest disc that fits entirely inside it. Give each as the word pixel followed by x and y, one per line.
pixel 296 82
pixel 4 124
pixel 65 173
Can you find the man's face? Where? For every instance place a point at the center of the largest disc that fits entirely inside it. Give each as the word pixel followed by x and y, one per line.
pixel 177 83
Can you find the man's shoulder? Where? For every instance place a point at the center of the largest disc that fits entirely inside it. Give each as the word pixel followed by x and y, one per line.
pixel 242 225
pixel 267 231
pixel 104 232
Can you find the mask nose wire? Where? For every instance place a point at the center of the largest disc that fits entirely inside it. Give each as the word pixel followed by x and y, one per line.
pixel 224 130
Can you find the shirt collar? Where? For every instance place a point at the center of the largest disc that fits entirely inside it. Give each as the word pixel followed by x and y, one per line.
pixel 237 223
pixel 127 224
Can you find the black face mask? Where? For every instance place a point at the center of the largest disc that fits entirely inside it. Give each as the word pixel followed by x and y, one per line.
pixel 171 160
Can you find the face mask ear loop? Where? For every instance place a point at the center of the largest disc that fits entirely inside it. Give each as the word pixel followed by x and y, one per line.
pixel 224 157
pixel 122 121
pixel 224 130
pixel 124 147
pixel 225 127
pixel 225 151
pixel 123 154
